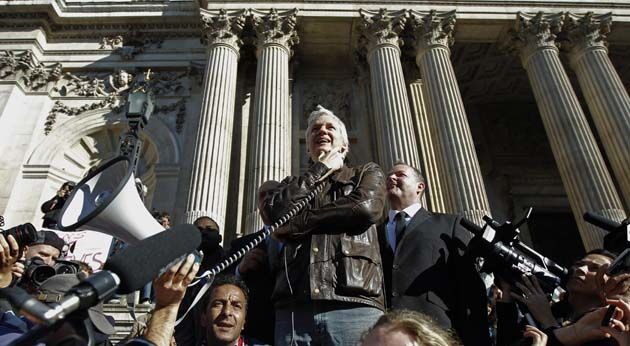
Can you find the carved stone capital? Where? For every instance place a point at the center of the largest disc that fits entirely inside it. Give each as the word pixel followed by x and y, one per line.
pixel 222 28
pixel 432 29
pixel 275 28
pixel 586 31
pixel 534 32
pixel 382 27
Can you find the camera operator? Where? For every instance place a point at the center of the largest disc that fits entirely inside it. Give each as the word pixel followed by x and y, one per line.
pixel 52 207
pixel 584 293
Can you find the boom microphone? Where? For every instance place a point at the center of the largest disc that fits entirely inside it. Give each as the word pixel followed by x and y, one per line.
pixel 618 237
pixel 139 264
pixel 128 271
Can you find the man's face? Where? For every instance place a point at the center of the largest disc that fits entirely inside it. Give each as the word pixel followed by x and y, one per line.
pixel 582 278
pixel 384 336
pixel 225 315
pixel 46 252
pixel 403 188
pixel 324 136
pixel 165 222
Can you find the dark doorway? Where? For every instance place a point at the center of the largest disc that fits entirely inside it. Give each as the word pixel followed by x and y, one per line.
pixel 555 235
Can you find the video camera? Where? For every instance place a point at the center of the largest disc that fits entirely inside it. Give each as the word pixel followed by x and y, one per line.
pixel 506 256
pixel 619 237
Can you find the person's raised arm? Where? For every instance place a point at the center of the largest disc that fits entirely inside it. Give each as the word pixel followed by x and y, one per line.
pixel 170 288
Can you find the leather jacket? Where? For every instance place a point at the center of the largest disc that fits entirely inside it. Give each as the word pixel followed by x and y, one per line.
pixel 330 250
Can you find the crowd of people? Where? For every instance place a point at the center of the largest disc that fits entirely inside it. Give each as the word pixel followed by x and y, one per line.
pixel 345 271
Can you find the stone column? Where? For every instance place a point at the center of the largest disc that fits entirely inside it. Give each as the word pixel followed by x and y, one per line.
pixel 270 152
pixel 435 194
pixel 395 136
pixel 457 160
pixel 584 175
pixel 210 169
pixel 605 94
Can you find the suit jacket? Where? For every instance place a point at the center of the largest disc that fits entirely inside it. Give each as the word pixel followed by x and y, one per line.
pixel 430 272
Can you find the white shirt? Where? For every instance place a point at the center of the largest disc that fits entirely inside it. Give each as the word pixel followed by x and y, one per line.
pixel 391 224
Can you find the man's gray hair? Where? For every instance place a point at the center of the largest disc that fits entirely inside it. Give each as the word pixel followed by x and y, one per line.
pixel 321 111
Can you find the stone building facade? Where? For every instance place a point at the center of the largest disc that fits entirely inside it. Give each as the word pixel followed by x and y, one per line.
pixel 503 105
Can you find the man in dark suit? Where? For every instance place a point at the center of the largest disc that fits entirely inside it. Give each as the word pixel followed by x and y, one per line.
pixel 425 265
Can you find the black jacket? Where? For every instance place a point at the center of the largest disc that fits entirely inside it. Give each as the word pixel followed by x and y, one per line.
pixel 431 273
pixel 331 248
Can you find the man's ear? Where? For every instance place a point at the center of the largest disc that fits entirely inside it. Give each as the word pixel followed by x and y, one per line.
pixel 421 187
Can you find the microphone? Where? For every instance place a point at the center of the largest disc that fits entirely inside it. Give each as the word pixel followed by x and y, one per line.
pixel 127 271
pixel 137 265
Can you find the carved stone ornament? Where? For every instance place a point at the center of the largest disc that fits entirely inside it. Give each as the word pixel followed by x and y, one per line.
pixel 222 27
pixel 275 28
pixel 532 32
pixel 431 29
pixel 23 67
pixel 131 44
pixel 586 31
pixel 116 105
pixel 381 27
pixel 119 83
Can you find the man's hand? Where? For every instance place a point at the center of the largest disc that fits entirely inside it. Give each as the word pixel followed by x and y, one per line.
pixel 613 287
pixel 169 292
pixel 538 337
pixel 332 159
pixel 9 254
pixel 171 286
pixel 536 301
pixel 252 261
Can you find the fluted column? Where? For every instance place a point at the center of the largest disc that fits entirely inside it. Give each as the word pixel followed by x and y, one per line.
pixel 270 153
pixel 395 137
pixel 210 167
pixel 435 193
pixel 457 162
pixel 605 94
pixel 582 169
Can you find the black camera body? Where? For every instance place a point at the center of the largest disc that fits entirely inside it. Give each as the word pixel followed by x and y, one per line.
pixel 510 259
pixel 37 271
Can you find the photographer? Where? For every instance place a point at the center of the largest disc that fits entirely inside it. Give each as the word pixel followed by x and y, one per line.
pixel 584 293
pixel 52 207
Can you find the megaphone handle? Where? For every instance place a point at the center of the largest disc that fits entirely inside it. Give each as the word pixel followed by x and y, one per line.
pixel 293 210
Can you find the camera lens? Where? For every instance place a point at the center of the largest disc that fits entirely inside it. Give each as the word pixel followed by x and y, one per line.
pixel 24 234
pixel 42 273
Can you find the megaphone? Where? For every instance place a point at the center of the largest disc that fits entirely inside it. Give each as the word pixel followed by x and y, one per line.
pixel 107 201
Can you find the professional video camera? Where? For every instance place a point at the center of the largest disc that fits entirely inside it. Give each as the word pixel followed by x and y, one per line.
pixel 619 237
pixel 507 257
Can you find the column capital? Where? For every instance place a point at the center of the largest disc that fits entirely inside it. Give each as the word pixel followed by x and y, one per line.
pixel 432 29
pixel 380 28
pixel 532 32
pixel 275 28
pixel 222 28
pixel 586 31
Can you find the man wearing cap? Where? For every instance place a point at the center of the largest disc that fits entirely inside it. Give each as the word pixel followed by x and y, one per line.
pixel 48 247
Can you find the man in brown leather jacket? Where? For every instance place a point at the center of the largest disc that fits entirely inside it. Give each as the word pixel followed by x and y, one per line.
pixel 328 277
